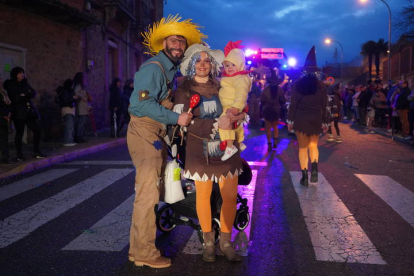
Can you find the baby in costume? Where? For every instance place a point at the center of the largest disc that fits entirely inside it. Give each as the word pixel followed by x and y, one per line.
pixel 235 86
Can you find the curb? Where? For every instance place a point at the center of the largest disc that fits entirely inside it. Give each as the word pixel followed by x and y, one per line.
pixel 43 163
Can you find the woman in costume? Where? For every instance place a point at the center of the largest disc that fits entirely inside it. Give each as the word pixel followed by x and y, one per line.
pixel 308 116
pixel 203 155
pixel 272 99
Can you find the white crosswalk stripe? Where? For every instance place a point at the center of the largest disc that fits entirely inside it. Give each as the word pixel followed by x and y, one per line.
pixel 394 194
pixel 32 182
pixel 335 234
pixel 23 223
pixel 110 233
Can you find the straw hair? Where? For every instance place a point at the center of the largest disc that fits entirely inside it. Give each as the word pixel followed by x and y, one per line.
pixel 154 37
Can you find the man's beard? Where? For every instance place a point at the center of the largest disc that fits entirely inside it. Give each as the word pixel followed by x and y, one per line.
pixel 170 54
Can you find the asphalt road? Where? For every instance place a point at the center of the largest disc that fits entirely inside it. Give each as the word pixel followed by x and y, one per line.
pixel 73 218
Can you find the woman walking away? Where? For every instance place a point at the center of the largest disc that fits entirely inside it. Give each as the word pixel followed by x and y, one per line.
pixel 308 116
pixel 272 99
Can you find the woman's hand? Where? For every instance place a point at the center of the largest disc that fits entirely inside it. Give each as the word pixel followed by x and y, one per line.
pixel 290 127
pixel 232 111
pixel 324 128
pixel 238 117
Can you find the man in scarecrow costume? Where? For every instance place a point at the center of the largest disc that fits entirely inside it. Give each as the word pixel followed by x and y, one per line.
pixel 150 110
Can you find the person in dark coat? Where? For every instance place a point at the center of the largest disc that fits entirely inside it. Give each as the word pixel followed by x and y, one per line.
pixel 4 124
pixel 364 100
pixel 379 103
pixel 115 106
pixel 308 116
pixel 402 106
pixel 67 100
pixel 127 91
pixel 23 111
pixel 335 108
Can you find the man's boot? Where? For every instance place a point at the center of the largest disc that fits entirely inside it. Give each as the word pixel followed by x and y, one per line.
pixel 226 246
pixel 159 262
pixel 209 254
pixel 304 180
pixel 314 172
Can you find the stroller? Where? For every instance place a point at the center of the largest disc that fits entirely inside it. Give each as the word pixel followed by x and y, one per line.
pixel 184 211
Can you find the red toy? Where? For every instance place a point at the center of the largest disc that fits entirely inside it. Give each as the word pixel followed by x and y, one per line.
pixel 195 99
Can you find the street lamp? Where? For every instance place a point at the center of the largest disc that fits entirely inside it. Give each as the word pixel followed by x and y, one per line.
pixel 389 36
pixel 328 41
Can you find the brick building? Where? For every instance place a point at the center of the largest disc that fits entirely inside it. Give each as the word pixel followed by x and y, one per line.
pixel 402 61
pixel 54 39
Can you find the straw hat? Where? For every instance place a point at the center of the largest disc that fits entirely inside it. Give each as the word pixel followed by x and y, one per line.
pixel 217 55
pixel 154 37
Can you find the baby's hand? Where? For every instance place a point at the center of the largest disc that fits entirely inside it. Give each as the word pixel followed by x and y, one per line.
pixel 233 111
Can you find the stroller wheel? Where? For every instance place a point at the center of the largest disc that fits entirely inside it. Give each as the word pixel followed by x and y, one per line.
pixel 242 219
pixel 165 220
pixel 215 227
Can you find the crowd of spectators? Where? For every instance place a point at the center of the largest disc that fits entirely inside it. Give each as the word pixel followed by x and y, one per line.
pixel 372 104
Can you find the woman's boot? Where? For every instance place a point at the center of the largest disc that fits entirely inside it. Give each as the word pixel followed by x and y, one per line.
pixel 226 246
pixel 269 146
pixel 314 172
pixel 209 247
pixel 304 180
pixel 275 141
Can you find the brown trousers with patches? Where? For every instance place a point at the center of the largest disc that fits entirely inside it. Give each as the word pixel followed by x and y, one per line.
pixel 148 153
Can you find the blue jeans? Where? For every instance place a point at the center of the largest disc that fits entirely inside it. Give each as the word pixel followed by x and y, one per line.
pixel 69 121
pixel 356 111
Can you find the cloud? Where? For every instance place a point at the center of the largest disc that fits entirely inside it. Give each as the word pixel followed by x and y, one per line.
pixel 297 7
pixel 295 25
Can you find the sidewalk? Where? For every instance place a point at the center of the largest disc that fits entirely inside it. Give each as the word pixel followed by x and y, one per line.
pixel 381 131
pixel 56 153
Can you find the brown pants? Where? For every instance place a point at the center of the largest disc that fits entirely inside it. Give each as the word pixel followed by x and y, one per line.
pixel 403 114
pixel 148 154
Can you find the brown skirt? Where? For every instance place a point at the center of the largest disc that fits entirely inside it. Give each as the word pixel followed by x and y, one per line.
pixel 271 114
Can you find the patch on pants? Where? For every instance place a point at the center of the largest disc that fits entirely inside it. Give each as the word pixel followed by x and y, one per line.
pixel 157 145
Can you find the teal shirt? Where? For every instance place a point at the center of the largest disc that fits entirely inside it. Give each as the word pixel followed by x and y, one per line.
pixel 150 78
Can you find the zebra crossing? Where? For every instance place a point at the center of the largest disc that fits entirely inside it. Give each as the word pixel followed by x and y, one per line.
pixel 335 234
pixel 333 229
pixel 26 221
